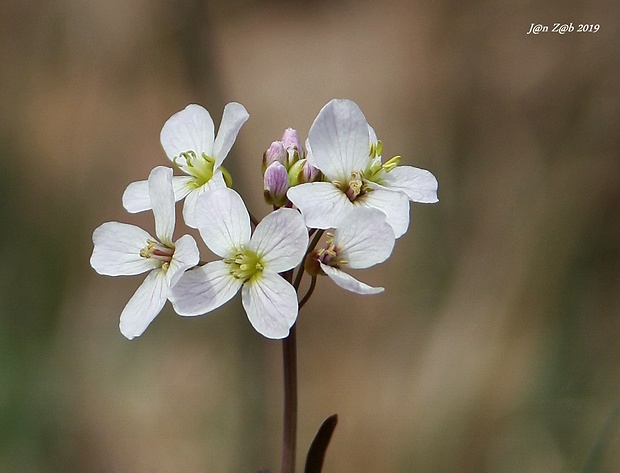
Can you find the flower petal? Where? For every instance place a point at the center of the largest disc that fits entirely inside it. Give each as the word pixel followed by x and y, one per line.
pixel 204 289
pixel 420 185
pixel 348 282
pixel 394 204
pixel 182 186
pixel 162 200
pixel 117 250
pixel 189 206
pixel 144 305
pixel 322 204
pixel 190 129
pixel 271 304
pixel 233 118
pixel 136 197
pixel 339 140
pixel 364 238
pixel 223 221
pixel 186 255
pixel 280 240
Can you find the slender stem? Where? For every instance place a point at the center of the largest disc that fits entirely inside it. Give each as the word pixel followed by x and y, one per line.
pixel 289 359
pixel 289 363
pixel 308 293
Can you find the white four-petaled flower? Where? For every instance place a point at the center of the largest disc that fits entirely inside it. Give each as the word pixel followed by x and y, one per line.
pixel 339 145
pixel 121 249
pixel 188 138
pixel 361 240
pixel 250 263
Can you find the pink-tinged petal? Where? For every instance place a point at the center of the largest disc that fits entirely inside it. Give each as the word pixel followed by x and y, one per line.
pixel 186 256
pixel 162 200
pixel 394 204
pixel 144 305
pixel 322 204
pixel 339 140
pixel 419 184
pixel 189 206
pixel 233 118
pixel 190 129
pixel 271 305
pixel 117 250
pixel 136 197
pixel 204 289
pixel 223 221
pixel 280 240
pixel 348 282
pixel 364 238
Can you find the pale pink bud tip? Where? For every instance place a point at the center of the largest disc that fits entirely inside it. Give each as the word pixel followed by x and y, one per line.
pixel 275 153
pixel 275 184
pixel 290 139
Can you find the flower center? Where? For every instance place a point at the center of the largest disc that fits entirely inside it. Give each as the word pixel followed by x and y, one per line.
pixel 329 255
pixel 355 187
pixel 245 265
pixel 157 251
pixel 199 167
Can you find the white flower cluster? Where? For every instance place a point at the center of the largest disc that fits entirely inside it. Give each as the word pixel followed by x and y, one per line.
pixel 337 182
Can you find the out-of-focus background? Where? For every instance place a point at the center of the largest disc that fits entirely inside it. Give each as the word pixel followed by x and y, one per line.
pixel 496 345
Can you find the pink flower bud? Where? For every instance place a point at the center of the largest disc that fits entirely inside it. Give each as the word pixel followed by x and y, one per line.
pixel 290 139
pixel 275 153
pixel 309 173
pixel 275 184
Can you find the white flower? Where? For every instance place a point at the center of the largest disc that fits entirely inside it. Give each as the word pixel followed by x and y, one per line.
pixel 362 239
pixel 250 263
pixel 419 184
pixel 123 250
pixel 339 145
pixel 188 138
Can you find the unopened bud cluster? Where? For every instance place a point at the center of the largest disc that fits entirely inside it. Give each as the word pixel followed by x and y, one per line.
pixel 285 165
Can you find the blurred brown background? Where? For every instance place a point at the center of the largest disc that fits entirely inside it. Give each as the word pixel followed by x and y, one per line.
pixel 495 347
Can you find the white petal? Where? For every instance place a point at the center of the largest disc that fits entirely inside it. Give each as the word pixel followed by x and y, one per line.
pixel 144 305
pixel 364 238
pixel 189 206
pixel 162 200
pixel 348 282
pixel 419 184
pixel 204 289
pixel 281 240
pixel 136 197
pixel 186 255
pixel 271 305
pixel 223 221
pixel 322 204
pixel 394 204
pixel 233 118
pixel 372 135
pixel 189 129
pixel 339 140
pixel 182 186
pixel 117 250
